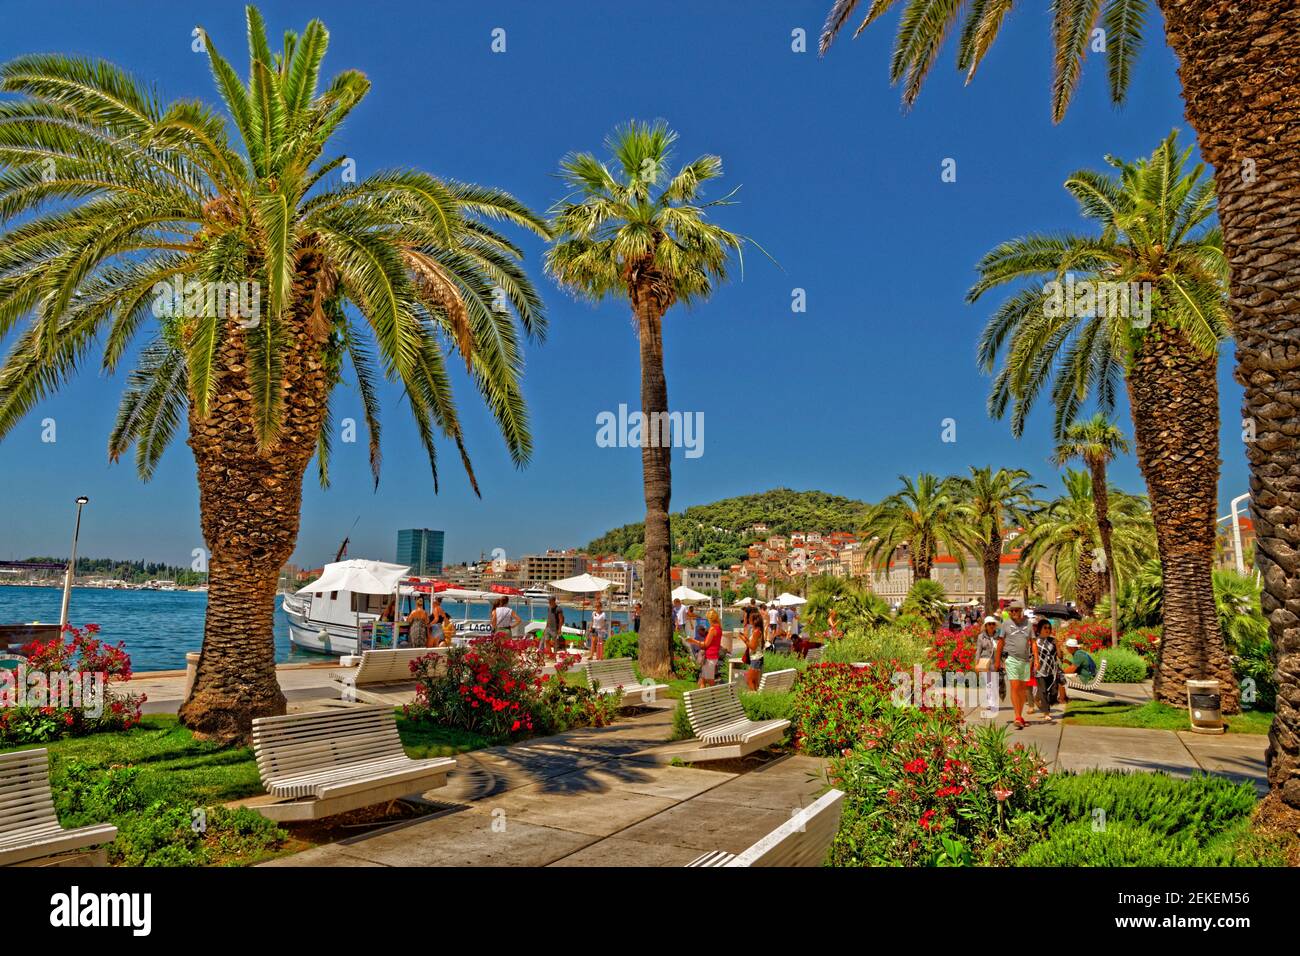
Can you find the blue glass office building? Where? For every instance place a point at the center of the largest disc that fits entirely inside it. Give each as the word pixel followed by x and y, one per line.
pixel 421 548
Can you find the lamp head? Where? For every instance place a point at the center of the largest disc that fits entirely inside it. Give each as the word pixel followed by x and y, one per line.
pixel 82 499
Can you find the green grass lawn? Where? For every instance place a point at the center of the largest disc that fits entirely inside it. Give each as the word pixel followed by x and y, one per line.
pixel 1154 715
pixel 149 781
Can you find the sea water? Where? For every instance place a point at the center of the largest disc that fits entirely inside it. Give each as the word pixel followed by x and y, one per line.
pixel 159 627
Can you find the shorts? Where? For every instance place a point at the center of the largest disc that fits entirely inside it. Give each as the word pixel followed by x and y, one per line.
pixel 756 663
pixel 1016 668
pixel 709 669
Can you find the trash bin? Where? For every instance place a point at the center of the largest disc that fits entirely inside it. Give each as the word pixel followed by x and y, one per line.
pixel 1203 704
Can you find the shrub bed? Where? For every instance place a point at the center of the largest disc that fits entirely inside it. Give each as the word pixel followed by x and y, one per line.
pixel 76 655
pixel 1125 667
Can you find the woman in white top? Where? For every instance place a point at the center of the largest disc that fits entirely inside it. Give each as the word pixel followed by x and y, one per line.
pixel 504 618
pixel 599 631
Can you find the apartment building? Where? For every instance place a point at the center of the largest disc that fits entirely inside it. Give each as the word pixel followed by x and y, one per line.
pixel 538 570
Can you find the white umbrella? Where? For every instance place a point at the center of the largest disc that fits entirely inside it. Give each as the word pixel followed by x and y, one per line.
pixel 786 599
pixel 745 602
pixel 360 577
pixel 689 596
pixel 583 584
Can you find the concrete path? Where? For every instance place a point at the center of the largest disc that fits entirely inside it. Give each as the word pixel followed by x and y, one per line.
pixel 1181 754
pixel 591 797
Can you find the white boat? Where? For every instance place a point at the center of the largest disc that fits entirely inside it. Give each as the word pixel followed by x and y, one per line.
pixel 536 594
pixel 339 612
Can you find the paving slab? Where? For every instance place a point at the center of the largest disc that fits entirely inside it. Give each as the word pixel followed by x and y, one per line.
pixel 1236 756
pixel 620 851
pixel 598 815
pixel 475 837
pixel 708 825
pixel 1123 748
pixel 785 785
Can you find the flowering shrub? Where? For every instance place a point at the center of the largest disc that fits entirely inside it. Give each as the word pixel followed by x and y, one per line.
pixel 1093 635
pixel 954 650
pixel 1144 642
pixel 564 705
pixel 834 702
pixel 495 687
pixel 492 687
pixel 80 658
pixel 924 790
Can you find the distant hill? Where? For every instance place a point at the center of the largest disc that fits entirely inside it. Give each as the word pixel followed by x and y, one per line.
pixel 719 532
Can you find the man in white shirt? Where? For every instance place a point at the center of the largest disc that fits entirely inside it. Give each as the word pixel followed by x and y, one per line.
pixel 679 616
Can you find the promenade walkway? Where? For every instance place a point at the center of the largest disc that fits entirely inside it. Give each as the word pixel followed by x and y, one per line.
pixel 610 796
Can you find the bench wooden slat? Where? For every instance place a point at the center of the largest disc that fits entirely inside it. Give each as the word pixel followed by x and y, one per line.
pixel 718 719
pixel 29 827
pixel 777 682
pixel 617 675
pixel 330 761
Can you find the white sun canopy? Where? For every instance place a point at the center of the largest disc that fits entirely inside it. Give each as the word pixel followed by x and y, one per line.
pixel 688 595
pixel 583 584
pixel 786 599
pixel 360 577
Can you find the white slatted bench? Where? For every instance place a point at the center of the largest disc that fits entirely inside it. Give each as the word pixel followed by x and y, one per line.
pixel 618 676
pixel 1072 681
pixel 720 724
pixel 379 668
pixel 814 654
pixel 29 828
pixel 777 682
pixel 319 764
pixel 803 840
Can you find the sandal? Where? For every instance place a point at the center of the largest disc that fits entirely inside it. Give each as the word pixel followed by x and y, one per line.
pixel 1020 724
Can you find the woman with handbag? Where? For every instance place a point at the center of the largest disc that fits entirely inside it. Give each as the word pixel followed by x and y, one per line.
pixel 754 648
pixel 1047 666
pixel 986 650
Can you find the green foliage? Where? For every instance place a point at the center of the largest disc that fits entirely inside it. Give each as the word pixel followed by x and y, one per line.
pixel 892 643
pixel 927 600
pixel 622 644
pixel 1119 844
pixel 772 661
pixel 1198 808
pixel 1155 715
pixel 563 706
pixel 719 534
pixel 1114 818
pixel 157 828
pixel 768 706
pixel 853 602
pixel 1125 666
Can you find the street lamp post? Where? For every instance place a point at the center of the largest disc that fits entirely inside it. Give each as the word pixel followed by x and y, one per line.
pixel 72 566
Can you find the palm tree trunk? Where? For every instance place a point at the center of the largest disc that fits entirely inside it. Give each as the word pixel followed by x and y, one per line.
pixel 1175 401
pixel 992 568
pixel 1240 67
pixel 1101 503
pixel 655 644
pixel 1087 586
pixel 249 507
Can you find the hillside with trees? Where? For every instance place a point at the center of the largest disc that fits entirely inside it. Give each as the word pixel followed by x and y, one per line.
pixel 720 533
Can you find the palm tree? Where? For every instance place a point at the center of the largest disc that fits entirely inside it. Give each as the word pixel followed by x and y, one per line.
pixel 1066 533
pixel 126 198
pixel 855 605
pixel 1152 230
pixel 1239 63
pixel 634 231
pixel 926 599
pixel 1097 442
pixel 996 501
pixel 1025 580
pixel 925 514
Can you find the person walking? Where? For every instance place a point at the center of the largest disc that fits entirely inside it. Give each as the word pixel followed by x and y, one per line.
pixel 553 635
pixel 679 617
pixel 599 631
pixel 1014 654
pixel 636 618
pixel 755 641
pixel 986 651
pixel 1047 667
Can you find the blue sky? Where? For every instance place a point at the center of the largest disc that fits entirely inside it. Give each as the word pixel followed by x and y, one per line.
pixel 839 184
